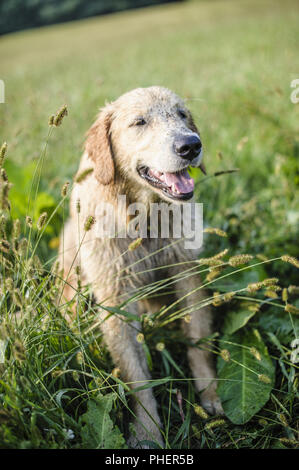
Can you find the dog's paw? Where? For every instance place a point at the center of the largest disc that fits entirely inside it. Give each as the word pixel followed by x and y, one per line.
pixel 211 402
pixel 141 439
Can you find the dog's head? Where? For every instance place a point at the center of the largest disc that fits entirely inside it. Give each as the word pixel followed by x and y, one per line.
pixel 147 137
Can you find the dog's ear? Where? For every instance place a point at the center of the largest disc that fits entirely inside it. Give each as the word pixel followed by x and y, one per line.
pixel 193 128
pixel 98 148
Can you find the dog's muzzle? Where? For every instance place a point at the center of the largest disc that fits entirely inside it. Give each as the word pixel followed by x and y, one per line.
pixel 188 146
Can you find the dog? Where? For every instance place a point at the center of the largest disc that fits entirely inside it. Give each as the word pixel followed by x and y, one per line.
pixel 140 146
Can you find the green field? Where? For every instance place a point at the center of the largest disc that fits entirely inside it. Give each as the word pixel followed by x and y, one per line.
pixel 233 62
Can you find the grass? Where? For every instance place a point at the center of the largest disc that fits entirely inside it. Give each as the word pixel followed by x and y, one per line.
pixel 233 62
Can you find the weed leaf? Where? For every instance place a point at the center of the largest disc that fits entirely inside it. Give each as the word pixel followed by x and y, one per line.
pixel 241 390
pixel 98 432
pixel 236 320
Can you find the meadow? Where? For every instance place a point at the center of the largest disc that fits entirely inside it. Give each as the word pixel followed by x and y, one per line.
pixel 233 62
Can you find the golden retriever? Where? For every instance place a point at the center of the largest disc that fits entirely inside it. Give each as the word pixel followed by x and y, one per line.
pixel 140 146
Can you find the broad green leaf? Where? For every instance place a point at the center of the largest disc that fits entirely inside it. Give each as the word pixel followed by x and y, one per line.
pixel 98 432
pixel 241 391
pixel 236 320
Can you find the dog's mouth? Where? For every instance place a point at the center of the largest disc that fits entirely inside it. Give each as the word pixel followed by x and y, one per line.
pixel 178 185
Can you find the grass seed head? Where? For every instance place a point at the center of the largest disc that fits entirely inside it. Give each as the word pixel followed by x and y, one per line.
pixel 257 334
pixel 3 151
pixel 135 244
pixel 238 260
pixel 292 309
pixel 4 246
pixel 285 294
pixel 187 318
pixel 3 225
pixel 254 287
pixel 4 190
pixel 76 376
pixel 3 174
pixel 140 338
pixel 16 228
pixel 290 259
pixel 270 281
pixel 51 120
pixel 80 357
pixel 285 440
pixel 116 372
pixel 9 284
pixel 210 261
pixel 217 299
pixel 283 420
pixel 199 410
pixel 89 222
pixel 255 353
pixel 215 423
pixel 64 189
pixel 225 354
pixel 264 378
pixel 148 321
pixel 271 294
pixel 58 118
pixel 78 270
pixel 213 274
pixel 28 221
pixel 293 289
pixel 214 260
pixel 42 220
pixel 160 346
pixel 83 175
pixel 216 231
pixel 221 254
pixel 228 296
pixel 8 265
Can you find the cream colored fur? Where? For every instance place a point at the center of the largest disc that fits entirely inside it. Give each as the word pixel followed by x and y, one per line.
pixel 114 148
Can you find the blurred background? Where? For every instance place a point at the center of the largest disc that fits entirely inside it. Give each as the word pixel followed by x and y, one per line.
pixel 22 14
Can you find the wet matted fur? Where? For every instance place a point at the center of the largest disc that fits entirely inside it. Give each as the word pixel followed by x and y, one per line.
pixel 138 134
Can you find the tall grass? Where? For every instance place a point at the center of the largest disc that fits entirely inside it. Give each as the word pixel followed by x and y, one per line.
pixel 54 371
pixel 56 375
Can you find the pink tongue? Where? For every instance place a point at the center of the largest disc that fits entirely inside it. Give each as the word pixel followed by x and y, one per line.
pixel 182 182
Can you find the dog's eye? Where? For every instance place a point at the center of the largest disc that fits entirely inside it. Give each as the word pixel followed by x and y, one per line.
pixel 140 122
pixel 182 114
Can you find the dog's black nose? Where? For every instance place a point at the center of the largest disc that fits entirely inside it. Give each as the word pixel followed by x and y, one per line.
pixel 187 147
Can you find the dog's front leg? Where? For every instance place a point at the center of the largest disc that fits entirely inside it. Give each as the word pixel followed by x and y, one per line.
pixel 199 326
pixel 129 356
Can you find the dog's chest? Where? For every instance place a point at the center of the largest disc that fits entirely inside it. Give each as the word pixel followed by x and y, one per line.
pixel 152 261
